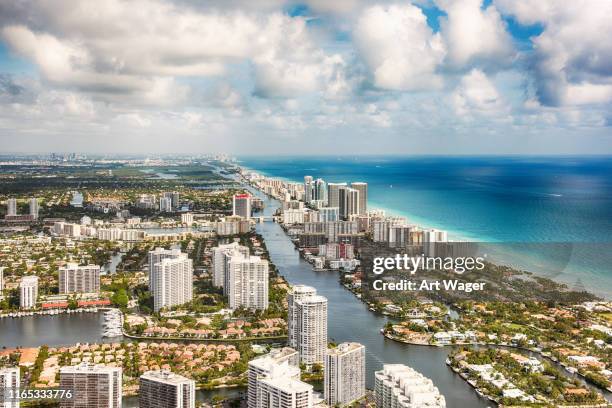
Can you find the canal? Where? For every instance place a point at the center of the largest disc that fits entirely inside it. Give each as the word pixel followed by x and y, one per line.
pixel 350 320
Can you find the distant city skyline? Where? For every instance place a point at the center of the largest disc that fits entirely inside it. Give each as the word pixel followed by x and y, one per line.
pixel 284 77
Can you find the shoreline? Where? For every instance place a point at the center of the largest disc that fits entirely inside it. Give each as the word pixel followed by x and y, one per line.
pixel 510 258
pixel 393 338
pixel 495 345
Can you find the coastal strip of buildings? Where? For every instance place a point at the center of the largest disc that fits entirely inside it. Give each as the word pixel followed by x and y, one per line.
pixel 330 221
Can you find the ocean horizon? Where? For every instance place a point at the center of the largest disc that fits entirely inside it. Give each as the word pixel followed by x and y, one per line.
pixel 551 215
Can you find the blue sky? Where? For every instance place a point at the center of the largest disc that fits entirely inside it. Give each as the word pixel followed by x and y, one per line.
pixel 276 76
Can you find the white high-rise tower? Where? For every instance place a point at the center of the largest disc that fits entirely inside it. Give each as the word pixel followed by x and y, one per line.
pixel 11 206
pixel 220 257
pixel 164 389
pixel 92 386
pixel 247 282
pixel 297 292
pixel 344 380
pixel 34 208
pixel 311 322
pixel 9 383
pixel 28 291
pixel 363 196
pixel 170 278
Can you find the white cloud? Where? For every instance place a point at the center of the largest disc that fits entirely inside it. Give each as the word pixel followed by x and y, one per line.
pixel 399 48
pixel 140 74
pixel 477 95
pixel 572 61
pixel 473 33
pixel 116 47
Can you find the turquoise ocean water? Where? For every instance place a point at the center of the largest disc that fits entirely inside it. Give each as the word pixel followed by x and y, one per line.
pixel 550 215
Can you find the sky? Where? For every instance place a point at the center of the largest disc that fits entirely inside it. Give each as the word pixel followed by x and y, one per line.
pixel 443 77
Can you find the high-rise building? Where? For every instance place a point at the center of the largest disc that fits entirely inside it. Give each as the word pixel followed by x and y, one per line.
pixel 155 257
pixel 9 384
pixel 263 367
pixel 171 200
pixel 220 257
pixel 247 282
pixel 170 278
pixel 242 205
pixel 430 238
pixel 275 384
pixel 311 322
pixel 283 392
pixel 92 386
pixel 333 194
pixel 165 204
pixel 380 228
pixel 28 291
pixel 320 191
pixel 344 380
pixel 34 208
pixel 175 201
pixel 349 202
pixel 309 189
pixel 11 206
pixel 363 196
pixel 297 292
pixel 399 235
pixel 164 389
pixel 400 386
pixel 79 279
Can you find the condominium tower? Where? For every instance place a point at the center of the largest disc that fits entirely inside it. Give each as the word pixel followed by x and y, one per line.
pixel 242 205
pixel 344 380
pixel 297 292
pixel 333 194
pixel 28 291
pixel 277 385
pixel 320 191
pixel 262 367
pixel 34 208
pixel 164 389
pixel 349 202
pixel 363 196
pixel 170 278
pixel 400 386
pixel 92 386
pixel 79 279
pixel 11 206
pixel 9 383
pixel 220 257
pixel 311 322
pixel 247 282
pixel 309 189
